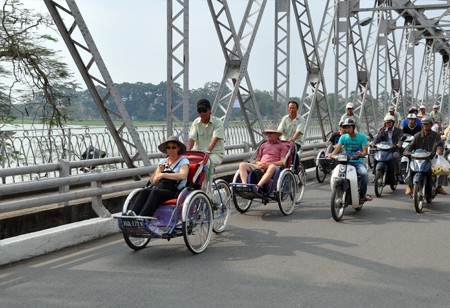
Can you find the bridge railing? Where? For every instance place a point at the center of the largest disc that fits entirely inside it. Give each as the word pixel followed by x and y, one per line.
pixel 67 188
pixel 34 146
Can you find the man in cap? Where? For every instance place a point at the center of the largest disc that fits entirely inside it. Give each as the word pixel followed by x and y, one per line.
pixel 436 116
pixel 414 110
pixel 292 125
pixel 207 133
pixel 430 141
pixel 422 112
pixel 355 145
pixel 396 115
pixel 393 135
pixel 350 115
pixel 334 138
pixel 269 156
pixel 412 128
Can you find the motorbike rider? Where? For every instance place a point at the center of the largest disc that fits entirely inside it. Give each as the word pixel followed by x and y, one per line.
pixel 334 138
pixel 396 115
pixel 436 115
pixel 393 135
pixel 355 144
pixel 412 128
pixel 430 141
pixel 415 111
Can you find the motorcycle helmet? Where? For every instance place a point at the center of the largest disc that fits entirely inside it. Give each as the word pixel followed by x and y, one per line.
pixel 348 122
pixel 389 118
pixel 411 116
pixel 412 109
pixel 427 120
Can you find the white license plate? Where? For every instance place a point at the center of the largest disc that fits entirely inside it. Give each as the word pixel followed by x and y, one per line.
pixel 132 223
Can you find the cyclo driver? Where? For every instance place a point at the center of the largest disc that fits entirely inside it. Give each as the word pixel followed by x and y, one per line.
pixel 430 141
pixel 355 144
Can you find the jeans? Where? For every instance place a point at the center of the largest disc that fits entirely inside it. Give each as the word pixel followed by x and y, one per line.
pixel 361 170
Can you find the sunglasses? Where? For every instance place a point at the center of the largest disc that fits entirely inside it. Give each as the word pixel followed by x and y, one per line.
pixel 270 133
pixel 172 148
pixel 202 110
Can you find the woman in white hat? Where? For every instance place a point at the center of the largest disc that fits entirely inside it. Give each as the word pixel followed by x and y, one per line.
pixel 169 178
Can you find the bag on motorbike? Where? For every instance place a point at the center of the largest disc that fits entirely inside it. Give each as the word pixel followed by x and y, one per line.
pixel 440 166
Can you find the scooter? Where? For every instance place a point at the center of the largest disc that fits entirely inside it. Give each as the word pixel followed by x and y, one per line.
pixel 405 161
pixel 424 187
pixel 384 167
pixel 345 184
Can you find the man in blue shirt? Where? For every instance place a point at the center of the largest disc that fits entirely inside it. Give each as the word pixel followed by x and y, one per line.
pixel 355 145
pixel 418 121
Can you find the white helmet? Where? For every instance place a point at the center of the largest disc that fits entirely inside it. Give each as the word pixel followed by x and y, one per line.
pixel 389 118
pixel 411 116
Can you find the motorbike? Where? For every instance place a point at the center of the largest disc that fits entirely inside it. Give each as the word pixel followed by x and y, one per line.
pixel 384 167
pixel 345 184
pixel 424 187
pixel 404 160
pixel 370 152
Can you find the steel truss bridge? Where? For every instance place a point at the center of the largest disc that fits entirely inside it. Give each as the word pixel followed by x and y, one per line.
pixel 385 53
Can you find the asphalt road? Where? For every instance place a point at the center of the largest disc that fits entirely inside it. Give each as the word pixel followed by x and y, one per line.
pixel 387 255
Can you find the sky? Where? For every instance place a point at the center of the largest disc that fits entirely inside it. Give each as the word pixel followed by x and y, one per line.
pixel 131 37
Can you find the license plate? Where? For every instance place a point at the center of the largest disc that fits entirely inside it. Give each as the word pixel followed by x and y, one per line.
pixel 243 189
pixel 132 223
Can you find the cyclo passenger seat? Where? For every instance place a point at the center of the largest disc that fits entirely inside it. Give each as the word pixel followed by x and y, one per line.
pixel 198 169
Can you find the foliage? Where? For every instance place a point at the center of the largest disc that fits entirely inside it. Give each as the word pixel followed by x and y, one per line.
pixel 35 83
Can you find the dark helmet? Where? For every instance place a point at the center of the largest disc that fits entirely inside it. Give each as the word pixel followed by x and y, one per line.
pixel 427 120
pixel 348 122
pixel 412 109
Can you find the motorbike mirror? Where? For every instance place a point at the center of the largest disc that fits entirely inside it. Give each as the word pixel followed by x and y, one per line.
pixel 403 138
pixel 370 136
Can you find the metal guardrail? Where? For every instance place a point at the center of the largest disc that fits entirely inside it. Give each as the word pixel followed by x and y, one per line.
pixel 67 188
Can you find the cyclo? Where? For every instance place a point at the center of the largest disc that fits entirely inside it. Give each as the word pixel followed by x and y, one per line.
pixel 324 165
pixel 201 207
pixel 286 186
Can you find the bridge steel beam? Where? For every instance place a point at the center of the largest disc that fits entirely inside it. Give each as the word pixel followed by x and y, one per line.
pixel 178 66
pixel 236 47
pixel 94 72
pixel 282 56
pixel 318 100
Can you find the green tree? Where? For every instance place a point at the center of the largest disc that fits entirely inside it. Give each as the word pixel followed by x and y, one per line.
pixel 32 75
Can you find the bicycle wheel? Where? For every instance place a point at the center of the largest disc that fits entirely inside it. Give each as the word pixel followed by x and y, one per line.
pixel 404 171
pixel 197 222
pixel 320 174
pixel 337 203
pixel 300 180
pixel 418 197
pixel 370 160
pixel 286 187
pixel 223 209
pixel 135 243
pixel 379 183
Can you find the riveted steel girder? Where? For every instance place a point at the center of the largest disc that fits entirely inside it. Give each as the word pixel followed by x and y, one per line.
pixel 282 56
pixel 318 100
pixel 94 72
pixel 236 47
pixel 178 66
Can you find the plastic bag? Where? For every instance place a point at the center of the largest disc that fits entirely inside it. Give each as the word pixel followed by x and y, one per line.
pixel 440 166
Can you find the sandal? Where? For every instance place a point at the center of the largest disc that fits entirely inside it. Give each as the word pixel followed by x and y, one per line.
pixel 367 198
